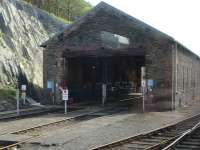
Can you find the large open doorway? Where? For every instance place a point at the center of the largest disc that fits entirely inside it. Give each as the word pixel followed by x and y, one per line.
pixel 121 74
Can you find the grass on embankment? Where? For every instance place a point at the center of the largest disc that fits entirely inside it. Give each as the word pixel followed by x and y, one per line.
pixel 7 92
pixel 7 99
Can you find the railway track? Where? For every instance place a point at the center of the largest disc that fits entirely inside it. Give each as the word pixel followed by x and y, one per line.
pixel 156 139
pixel 25 113
pixel 189 140
pixel 32 132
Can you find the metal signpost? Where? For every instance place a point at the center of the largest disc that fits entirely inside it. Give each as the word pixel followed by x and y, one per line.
pixel 104 94
pixel 65 97
pixel 143 80
pixel 23 89
pixel 17 98
pixel 143 97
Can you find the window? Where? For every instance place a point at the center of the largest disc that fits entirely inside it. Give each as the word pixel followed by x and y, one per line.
pixel 114 41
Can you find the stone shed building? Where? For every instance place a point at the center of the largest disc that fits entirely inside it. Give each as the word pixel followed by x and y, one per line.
pixel 110 48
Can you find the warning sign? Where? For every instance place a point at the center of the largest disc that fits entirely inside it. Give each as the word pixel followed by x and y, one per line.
pixel 65 95
pixel 23 87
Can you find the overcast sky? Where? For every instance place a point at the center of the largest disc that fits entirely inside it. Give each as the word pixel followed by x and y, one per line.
pixel 178 18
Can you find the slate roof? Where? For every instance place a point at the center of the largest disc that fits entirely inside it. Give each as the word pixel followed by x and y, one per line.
pixel 91 14
pixel 114 11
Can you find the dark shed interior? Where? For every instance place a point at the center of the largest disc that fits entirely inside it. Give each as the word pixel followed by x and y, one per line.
pixel 85 75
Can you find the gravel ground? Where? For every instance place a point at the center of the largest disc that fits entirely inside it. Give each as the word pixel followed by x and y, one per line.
pixel 103 130
pixel 20 124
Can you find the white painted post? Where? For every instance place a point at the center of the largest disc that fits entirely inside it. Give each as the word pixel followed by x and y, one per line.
pixel 24 97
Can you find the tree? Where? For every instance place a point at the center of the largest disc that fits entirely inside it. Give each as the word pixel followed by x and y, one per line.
pixel 68 9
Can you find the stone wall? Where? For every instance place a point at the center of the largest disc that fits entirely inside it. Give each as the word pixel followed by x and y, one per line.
pixel 159 69
pixel 188 77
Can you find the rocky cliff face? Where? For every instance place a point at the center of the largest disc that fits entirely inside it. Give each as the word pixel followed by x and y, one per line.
pixel 22 29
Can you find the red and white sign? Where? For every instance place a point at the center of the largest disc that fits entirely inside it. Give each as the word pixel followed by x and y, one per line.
pixel 65 95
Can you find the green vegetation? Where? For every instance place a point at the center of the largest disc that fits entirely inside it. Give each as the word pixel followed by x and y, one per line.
pixel 1 34
pixel 7 92
pixel 61 19
pixel 70 10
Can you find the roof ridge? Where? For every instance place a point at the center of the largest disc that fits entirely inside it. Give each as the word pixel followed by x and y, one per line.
pixel 103 5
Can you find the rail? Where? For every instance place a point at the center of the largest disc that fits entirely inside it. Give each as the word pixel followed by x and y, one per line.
pixel 165 132
pixel 76 119
pixel 189 131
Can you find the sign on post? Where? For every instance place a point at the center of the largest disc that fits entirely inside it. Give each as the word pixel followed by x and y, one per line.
pixel 23 87
pixel 50 86
pixel 65 97
pixel 23 94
